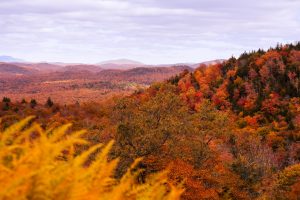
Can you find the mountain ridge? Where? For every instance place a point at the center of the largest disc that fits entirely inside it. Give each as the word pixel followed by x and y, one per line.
pixel 5 58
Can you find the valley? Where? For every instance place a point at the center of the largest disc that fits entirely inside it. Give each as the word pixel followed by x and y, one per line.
pixel 77 83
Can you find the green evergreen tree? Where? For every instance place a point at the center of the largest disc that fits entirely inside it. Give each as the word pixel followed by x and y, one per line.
pixel 5 106
pixel 49 102
pixel 33 103
pixel 6 100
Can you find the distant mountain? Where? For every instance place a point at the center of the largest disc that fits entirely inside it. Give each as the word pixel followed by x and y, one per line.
pixel 139 71
pixel 123 64
pixel 192 65
pixel 130 64
pixel 145 75
pixel 211 62
pixel 120 64
pixel 41 67
pixel 11 69
pixel 10 59
pixel 82 67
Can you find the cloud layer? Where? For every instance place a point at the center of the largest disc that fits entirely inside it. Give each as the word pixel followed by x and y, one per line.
pixel 152 31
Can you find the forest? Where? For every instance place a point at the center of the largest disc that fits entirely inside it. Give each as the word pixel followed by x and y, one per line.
pixel 229 130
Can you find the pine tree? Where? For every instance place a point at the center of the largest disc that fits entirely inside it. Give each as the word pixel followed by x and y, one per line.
pixel 49 102
pixel 6 100
pixel 5 106
pixel 33 103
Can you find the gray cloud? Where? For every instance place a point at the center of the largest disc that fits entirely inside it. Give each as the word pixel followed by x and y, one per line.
pixel 152 31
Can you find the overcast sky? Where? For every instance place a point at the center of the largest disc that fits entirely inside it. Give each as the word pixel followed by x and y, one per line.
pixel 150 31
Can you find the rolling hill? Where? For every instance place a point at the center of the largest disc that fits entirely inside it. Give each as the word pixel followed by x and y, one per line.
pixel 12 69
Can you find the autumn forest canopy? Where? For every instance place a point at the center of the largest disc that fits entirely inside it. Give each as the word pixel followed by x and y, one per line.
pixel 226 130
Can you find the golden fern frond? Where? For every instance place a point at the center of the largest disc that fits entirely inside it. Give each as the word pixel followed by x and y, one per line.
pixel 58 133
pixel 38 164
pixel 81 159
pixel 16 128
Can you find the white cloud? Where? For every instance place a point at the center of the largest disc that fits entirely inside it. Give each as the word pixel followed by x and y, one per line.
pixel 152 31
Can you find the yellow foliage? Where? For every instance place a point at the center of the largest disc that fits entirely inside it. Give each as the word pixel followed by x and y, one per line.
pixel 37 164
pixel 289 176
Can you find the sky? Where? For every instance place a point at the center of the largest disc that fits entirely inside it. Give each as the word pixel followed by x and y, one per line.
pixel 150 31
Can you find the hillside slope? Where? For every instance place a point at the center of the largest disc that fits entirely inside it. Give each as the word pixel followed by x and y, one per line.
pixel 259 84
pixel 11 69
